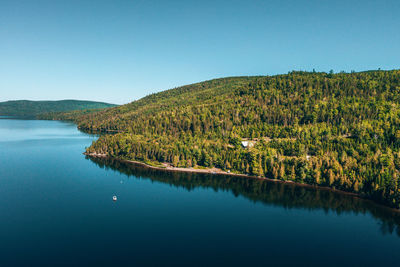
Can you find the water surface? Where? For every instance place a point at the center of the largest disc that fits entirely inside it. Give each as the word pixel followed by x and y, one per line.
pixel 57 209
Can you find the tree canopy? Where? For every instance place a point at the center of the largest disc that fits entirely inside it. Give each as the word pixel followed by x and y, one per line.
pixel 336 130
pixel 26 108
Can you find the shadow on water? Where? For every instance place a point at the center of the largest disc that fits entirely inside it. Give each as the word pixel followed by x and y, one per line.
pixel 288 196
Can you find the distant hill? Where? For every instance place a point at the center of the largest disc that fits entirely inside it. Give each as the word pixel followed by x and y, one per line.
pixel 26 108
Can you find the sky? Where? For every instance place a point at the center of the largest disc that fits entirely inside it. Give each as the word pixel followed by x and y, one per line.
pixel 118 51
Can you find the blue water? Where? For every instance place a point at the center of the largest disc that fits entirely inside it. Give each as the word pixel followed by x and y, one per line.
pixel 56 208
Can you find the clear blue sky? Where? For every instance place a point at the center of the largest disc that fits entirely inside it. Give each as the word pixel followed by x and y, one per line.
pixel 119 51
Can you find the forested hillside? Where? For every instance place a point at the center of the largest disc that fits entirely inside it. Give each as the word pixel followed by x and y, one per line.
pixel 26 108
pixel 337 130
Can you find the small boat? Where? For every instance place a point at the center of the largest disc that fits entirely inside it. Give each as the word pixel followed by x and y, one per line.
pixel 115 198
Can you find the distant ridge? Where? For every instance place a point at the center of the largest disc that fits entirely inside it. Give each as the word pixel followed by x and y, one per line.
pixel 28 108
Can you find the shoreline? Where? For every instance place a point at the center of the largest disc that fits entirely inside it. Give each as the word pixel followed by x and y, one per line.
pixel 216 171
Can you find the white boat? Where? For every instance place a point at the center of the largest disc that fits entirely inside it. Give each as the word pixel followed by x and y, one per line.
pixel 115 198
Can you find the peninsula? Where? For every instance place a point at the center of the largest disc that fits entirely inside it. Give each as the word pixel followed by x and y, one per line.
pixel 334 130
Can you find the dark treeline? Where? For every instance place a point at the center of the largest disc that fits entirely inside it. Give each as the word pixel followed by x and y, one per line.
pixel 337 130
pixel 31 109
pixel 278 194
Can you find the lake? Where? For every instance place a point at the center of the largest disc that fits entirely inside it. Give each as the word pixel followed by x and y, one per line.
pixel 56 209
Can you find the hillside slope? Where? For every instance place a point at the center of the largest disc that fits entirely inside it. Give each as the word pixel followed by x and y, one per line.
pixel 336 130
pixel 26 108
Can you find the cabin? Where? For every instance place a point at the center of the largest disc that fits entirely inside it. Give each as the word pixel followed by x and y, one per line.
pixel 247 144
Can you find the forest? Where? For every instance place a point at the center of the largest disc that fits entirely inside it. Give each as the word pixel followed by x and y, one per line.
pixel 33 109
pixel 338 130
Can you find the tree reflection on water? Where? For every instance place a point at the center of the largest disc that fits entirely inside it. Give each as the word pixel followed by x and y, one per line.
pixel 286 195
